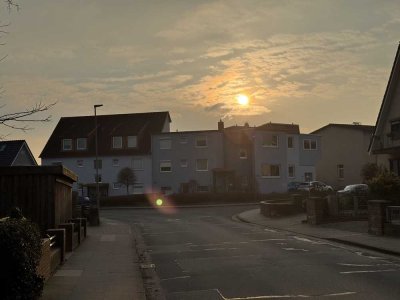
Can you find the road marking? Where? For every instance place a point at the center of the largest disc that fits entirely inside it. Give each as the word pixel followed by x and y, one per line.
pixel 219 249
pixel 307 240
pixel 266 240
pixel 285 296
pixel 175 278
pixel 295 249
pixel 369 271
pixel 340 294
pixel 270 230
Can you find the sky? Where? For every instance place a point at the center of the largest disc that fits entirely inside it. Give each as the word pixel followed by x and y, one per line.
pixel 305 62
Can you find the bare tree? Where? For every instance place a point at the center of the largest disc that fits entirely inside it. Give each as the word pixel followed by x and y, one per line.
pixel 18 120
pixel 127 177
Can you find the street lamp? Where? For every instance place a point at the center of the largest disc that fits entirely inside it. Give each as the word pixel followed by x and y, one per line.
pixel 97 162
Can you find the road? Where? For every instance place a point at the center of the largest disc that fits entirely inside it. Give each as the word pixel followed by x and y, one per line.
pixel 201 253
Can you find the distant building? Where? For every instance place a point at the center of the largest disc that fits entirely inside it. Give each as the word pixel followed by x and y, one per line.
pixel 16 153
pixel 237 158
pixel 344 151
pixel 124 140
pixel 184 162
pixel 386 137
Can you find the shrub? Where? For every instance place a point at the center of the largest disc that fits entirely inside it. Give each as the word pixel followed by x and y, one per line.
pixel 20 252
pixel 385 186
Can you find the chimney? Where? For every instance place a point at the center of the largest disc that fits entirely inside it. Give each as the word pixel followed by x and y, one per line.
pixel 220 125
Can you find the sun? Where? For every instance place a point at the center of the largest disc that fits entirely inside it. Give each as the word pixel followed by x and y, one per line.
pixel 242 99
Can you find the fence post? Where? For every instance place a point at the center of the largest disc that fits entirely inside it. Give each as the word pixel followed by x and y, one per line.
pixel 377 216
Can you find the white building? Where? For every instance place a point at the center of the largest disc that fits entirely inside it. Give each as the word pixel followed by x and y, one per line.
pixel 124 140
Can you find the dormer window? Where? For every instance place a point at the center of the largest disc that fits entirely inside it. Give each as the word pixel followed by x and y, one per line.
pixel 395 130
pixel 81 144
pixel 117 142
pixel 67 144
pixel 132 141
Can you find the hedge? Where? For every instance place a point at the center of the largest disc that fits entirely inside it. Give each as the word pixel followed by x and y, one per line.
pixel 20 251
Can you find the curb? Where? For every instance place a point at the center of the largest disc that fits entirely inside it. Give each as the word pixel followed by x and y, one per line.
pixel 336 240
pixel 179 206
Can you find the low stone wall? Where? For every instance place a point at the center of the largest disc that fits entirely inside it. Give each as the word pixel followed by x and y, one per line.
pixel 277 209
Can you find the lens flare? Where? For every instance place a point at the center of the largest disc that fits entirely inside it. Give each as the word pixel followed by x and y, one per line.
pixel 159 202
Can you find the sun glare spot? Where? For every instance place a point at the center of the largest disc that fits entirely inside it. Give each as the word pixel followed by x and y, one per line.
pixel 159 202
pixel 242 99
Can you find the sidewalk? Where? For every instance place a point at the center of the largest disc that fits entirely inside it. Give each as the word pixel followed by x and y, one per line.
pixel 351 233
pixel 105 266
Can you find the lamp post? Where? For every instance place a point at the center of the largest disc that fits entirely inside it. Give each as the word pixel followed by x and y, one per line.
pixel 97 163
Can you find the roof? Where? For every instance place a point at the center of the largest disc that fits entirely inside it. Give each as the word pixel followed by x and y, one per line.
pixel 393 79
pixel 141 125
pixel 280 127
pixel 190 132
pixel 9 151
pixel 366 128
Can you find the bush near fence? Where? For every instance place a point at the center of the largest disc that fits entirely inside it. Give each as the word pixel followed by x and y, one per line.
pixel 20 252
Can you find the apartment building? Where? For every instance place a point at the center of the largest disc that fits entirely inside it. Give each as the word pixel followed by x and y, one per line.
pixel 124 140
pixel 237 158
pixel 344 153
pixel 184 162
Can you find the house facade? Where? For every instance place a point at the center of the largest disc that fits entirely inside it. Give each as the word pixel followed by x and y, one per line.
pixel 16 153
pixel 344 153
pixel 234 159
pixel 123 141
pixel 385 142
pixel 282 155
pixel 184 162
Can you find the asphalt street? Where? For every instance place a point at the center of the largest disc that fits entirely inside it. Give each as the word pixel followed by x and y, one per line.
pixel 202 253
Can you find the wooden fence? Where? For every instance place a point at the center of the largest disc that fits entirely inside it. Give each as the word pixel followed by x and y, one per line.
pixel 43 193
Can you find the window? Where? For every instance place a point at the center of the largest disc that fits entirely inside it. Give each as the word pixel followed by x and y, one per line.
pixel 117 142
pixel 201 164
pixel 395 130
pixel 183 140
pixel 116 185
pixel 115 162
pixel 165 166
pixel 79 163
pixel 340 171
pixel 184 163
pixel 291 171
pixel 137 164
pixel 270 141
pixel 243 154
pixel 165 143
pixel 308 176
pixel 138 188
pixel 290 142
pixel 99 163
pixel 202 188
pixel 310 145
pixel 98 178
pixel 81 144
pixel 67 144
pixel 268 170
pixel 166 190
pixel 2 147
pixel 201 141
pixel 132 141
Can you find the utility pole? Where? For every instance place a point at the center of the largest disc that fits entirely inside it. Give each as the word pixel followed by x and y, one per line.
pixel 97 163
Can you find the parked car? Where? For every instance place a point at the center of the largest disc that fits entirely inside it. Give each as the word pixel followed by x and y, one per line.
pixel 316 186
pixel 354 189
pixel 293 186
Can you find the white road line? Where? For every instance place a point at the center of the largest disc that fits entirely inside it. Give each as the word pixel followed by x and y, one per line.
pixel 175 278
pixel 266 240
pixel 307 240
pixel 369 271
pixel 270 230
pixel 295 249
